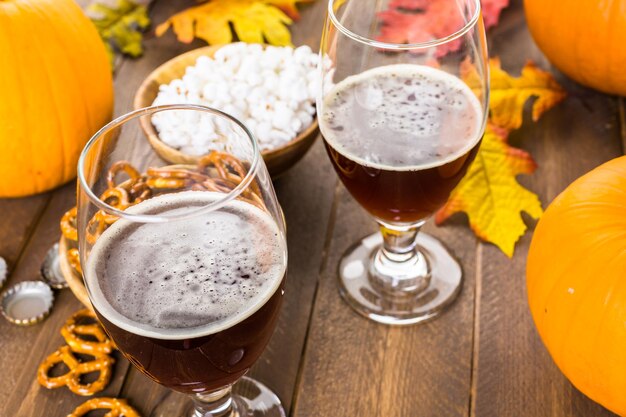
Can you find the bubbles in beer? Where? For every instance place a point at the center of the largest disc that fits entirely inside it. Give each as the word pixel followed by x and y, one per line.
pixel 208 272
pixel 401 117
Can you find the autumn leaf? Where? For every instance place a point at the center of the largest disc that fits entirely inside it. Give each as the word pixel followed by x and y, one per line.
pixel 288 6
pixel 508 95
pixel 490 194
pixel 253 21
pixel 417 21
pixel 120 27
pixel 491 11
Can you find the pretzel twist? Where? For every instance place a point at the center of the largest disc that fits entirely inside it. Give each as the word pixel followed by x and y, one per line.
pixel 139 191
pixel 73 257
pixel 216 171
pixel 166 183
pixel 77 369
pixel 68 224
pixel 96 225
pixel 121 166
pixel 74 334
pixel 118 407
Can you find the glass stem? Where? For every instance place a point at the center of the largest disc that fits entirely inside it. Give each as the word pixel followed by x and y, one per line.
pixel 214 404
pixel 398 267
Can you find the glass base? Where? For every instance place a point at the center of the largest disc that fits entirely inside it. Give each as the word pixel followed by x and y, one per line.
pixel 401 308
pixel 249 397
pixel 253 399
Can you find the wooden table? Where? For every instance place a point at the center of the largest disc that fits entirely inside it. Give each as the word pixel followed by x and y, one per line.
pixel 483 357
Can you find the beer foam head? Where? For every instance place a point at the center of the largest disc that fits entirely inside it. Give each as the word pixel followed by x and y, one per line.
pixel 186 278
pixel 401 117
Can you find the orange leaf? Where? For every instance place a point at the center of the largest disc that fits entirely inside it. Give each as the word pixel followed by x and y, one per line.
pixel 490 194
pixel 254 21
pixel 288 6
pixel 508 95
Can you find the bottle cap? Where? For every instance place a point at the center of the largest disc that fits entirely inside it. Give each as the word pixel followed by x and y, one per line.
pixel 51 269
pixel 27 303
pixel 4 271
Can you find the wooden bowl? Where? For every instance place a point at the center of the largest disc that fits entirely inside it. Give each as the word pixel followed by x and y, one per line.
pixel 277 160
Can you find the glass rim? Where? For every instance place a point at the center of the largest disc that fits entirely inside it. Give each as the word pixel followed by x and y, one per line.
pixel 405 46
pixel 152 218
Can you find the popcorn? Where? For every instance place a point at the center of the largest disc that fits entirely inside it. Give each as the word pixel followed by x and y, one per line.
pixel 272 91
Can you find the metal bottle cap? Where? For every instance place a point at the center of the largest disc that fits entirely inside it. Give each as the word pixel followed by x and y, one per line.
pixel 27 303
pixel 51 269
pixel 4 271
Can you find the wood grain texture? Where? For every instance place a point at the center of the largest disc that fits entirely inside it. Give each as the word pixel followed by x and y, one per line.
pixel 25 348
pixel 18 217
pixel 515 375
pixel 353 366
pixel 482 357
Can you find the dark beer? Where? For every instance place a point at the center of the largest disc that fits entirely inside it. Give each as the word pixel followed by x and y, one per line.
pixel 192 303
pixel 401 137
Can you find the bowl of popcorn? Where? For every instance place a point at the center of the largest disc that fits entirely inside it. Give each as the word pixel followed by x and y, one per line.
pixel 270 89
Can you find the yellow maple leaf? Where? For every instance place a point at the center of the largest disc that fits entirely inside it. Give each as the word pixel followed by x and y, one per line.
pixel 508 95
pixel 490 194
pixel 253 21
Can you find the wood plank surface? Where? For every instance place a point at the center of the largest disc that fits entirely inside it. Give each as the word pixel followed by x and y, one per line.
pixel 19 217
pixel 355 367
pixel 26 347
pixel 482 357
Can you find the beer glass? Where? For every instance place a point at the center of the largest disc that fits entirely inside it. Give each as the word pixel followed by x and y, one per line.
pixel 184 263
pixel 402 112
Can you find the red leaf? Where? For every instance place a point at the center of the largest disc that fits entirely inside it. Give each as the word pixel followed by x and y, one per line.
pixel 417 21
pixel 491 11
pixel 409 4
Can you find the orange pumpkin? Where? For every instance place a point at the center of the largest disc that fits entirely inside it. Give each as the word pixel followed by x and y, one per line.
pixel 576 282
pixel 586 39
pixel 56 89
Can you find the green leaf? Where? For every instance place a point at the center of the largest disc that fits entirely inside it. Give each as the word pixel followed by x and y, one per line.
pixel 120 27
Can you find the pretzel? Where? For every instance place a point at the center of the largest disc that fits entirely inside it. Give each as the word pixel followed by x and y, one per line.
pixel 73 258
pixel 167 172
pixel 216 171
pixel 119 197
pixel 72 332
pixel 139 191
pixel 120 201
pixel 118 407
pixel 96 225
pixel 167 183
pixel 77 369
pixel 222 162
pixel 121 166
pixel 68 224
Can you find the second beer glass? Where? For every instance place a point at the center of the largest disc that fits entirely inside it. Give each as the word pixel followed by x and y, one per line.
pixel 402 121
pixel 185 264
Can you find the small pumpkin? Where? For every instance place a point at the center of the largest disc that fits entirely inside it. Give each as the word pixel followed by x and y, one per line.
pixel 56 89
pixel 576 282
pixel 585 39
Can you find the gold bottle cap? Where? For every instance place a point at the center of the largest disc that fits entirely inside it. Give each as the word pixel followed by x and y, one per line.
pixel 51 269
pixel 27 303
